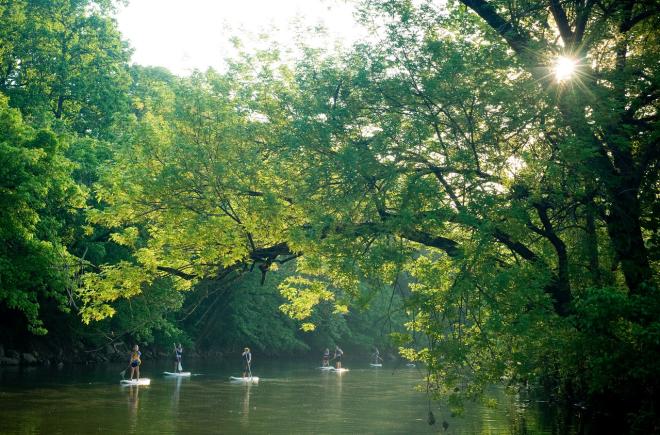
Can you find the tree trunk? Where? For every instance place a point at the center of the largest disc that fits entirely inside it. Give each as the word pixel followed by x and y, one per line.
pixel 60 105
pixel 624 229
pixel 591 243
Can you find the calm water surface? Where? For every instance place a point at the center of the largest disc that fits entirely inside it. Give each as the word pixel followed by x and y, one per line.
pixel 290 398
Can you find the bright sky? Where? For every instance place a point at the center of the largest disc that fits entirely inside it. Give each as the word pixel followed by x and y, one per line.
pixel 183 35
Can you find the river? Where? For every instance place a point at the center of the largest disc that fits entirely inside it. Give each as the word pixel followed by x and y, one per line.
pixel 290 398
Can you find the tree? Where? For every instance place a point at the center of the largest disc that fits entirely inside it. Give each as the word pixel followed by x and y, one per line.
pixel 64 60
pixel 457 136
pixel 37 195
pixel 181 191
pixel 197 199
pixel 612 110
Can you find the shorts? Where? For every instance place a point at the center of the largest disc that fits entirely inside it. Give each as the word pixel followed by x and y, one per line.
pixel 338 358
pixel 135 363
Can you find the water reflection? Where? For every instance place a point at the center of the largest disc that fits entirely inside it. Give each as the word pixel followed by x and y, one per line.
pixel 245 414
pixel 339 383
pixel 133 406
pixel 176 393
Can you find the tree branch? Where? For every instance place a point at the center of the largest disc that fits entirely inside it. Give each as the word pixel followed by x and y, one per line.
pixel 518 41
pixel 559 14
pixel 177 272
pixel 628 24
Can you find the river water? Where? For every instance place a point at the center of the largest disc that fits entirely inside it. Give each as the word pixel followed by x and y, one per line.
pixel 290 398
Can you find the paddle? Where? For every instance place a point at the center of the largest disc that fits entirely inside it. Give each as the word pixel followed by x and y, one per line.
pixel 123 372
pixel 249 369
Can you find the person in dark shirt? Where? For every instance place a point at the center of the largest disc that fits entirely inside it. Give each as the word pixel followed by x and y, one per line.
pixel 326 357
pixel 247 360
pixel 178 354
pixel 338 354
pixel 135 361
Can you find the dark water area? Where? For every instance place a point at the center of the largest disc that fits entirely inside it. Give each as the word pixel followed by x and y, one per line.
pixel 290 398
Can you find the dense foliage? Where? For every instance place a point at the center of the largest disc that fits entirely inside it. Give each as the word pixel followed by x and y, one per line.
pixel 38 195
pixel 437 186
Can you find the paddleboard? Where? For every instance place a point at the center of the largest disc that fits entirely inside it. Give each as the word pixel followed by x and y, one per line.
pixel 410 365
pixel 341 370
pixel 253 379
pixel 376 365
pixel 326 368
pixel 180 374
pixel 142 381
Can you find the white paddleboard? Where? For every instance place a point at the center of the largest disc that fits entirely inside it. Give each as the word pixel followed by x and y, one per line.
pixel 326 368
pixel 376 365
pixel 141 381
pixel 180 374
pixel 410 365
pixel 251 379
pixel 341 370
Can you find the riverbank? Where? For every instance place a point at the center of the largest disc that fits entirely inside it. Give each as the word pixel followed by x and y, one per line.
pixel 41 355
pixel 41 352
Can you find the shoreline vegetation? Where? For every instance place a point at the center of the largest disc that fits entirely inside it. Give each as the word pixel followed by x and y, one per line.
pixel 475 189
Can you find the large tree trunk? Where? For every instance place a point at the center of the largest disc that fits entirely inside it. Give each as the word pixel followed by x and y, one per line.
pixel 624 229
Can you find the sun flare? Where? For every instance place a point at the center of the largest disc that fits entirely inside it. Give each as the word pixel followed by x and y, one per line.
pixel 564 68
